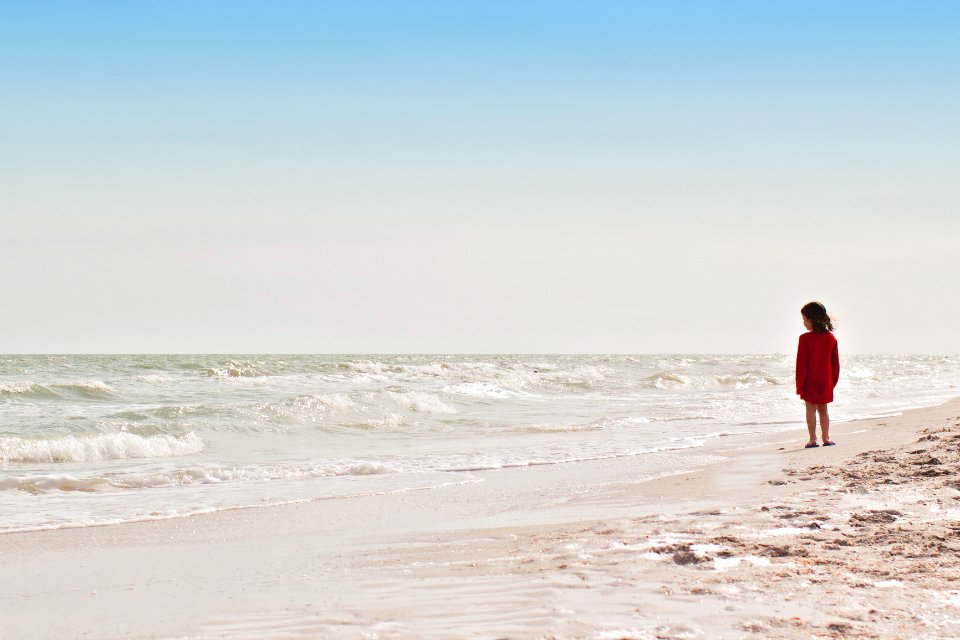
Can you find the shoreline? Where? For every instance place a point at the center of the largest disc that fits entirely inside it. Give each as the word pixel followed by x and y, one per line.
pixel 709 446
pixel 566 550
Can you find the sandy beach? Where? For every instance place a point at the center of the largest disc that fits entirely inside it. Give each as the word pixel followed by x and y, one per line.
pixel 854 541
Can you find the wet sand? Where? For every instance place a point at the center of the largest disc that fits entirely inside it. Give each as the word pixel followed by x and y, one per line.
pixel 861 540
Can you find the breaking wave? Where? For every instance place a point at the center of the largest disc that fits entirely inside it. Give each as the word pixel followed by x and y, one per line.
pixel 748 379
pixel 238 369
pixel 112 446
pixel 26 390
pixel 307 408
pixel 92 389
pixel 420 402
pixel 665 378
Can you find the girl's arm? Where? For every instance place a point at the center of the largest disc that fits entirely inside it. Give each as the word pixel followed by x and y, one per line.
pixel 835 364
pixel 801 365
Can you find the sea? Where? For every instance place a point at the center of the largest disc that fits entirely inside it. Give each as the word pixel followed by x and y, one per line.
pixel 89 440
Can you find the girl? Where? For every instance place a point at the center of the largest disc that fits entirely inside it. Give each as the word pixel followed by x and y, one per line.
pixel 818 369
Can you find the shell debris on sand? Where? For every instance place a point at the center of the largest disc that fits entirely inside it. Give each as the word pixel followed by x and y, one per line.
pixel 866 549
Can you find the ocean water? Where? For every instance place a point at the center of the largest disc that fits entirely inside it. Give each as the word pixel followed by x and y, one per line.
pixel 90 440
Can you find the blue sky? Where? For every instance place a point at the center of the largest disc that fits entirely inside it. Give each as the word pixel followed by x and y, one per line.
pixel 477 176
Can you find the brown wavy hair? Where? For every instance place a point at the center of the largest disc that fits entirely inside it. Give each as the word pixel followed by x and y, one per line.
pixel 816 313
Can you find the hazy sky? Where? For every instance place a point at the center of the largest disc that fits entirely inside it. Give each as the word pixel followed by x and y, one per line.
pixel 487 176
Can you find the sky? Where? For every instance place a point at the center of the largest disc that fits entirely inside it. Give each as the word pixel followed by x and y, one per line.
pixel 477 177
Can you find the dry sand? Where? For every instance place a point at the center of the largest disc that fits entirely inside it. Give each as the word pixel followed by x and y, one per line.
pixel 861 540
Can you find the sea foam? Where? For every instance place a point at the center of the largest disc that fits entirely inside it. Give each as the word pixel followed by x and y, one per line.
pixel 215 474
pixel 42 483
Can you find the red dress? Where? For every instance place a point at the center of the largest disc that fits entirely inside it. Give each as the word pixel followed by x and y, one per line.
pixel 818 367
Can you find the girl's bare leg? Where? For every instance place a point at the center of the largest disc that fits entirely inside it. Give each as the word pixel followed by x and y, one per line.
pixel 812 422
pixel 824 422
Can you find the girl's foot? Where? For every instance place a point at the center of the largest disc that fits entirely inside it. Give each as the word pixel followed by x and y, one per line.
pixel 810 445
pixel 828 443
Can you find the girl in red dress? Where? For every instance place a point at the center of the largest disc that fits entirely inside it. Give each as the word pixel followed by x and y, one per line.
pixel 818 369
